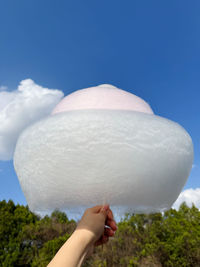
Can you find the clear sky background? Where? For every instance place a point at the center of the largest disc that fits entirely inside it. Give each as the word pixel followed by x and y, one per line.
pixel 149 48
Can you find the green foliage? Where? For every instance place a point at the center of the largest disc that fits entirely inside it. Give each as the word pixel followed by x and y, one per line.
pixel 25 237
pixel 169 239
pixel 59 216
pixel 48 251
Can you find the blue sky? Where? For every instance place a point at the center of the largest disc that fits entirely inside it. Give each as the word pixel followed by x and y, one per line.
pixel 149 48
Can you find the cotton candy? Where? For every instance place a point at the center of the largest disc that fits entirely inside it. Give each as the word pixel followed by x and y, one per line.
pixel 118 153
pixel 104 96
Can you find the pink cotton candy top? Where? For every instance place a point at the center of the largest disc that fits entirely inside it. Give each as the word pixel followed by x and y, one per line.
pixel 104 96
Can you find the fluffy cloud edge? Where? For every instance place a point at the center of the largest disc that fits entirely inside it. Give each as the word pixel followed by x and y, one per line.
pixel 189 196
pixel 3 88
pixel 20 108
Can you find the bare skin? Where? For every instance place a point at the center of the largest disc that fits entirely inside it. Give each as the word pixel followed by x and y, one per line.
pixel 95 227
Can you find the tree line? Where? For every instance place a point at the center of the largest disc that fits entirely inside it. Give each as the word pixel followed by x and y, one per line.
pixel 168 239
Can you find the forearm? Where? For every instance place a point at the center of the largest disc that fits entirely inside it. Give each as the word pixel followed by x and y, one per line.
pixel 73 252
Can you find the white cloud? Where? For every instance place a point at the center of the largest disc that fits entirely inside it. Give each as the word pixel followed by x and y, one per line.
pixel 20 108
pixel 193 166
pixel 189 196
pixel 3 88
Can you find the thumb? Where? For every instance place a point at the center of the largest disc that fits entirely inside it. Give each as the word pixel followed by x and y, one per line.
pixel 104 210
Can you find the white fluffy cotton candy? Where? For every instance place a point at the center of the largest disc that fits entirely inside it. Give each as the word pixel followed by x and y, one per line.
pixel 84 156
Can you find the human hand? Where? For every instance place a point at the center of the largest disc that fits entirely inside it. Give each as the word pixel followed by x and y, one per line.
pixel 95 227
pixel 100 223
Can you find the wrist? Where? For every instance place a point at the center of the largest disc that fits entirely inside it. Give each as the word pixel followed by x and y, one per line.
pixel 86 237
